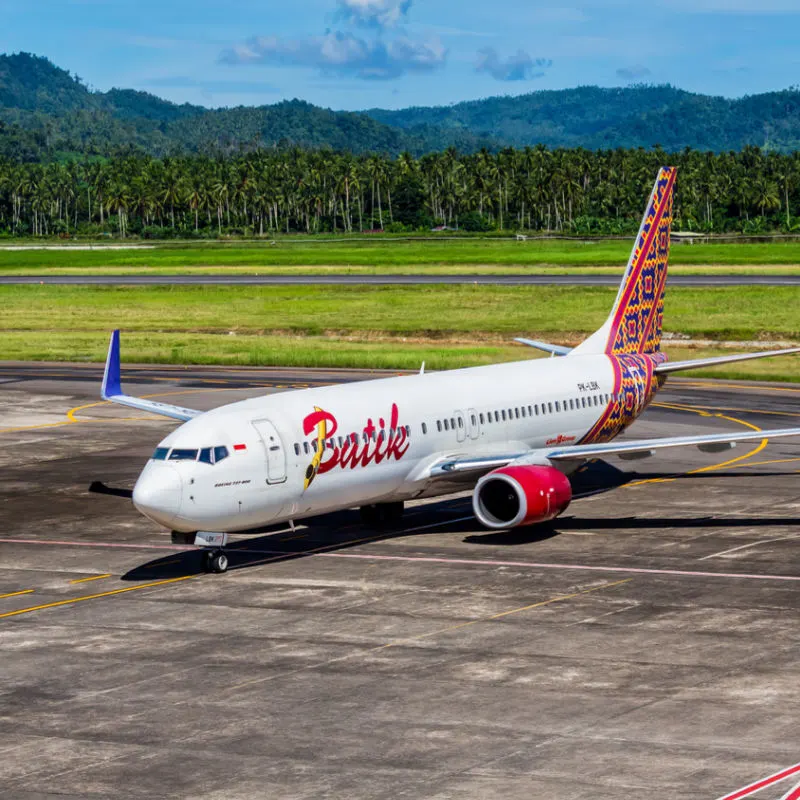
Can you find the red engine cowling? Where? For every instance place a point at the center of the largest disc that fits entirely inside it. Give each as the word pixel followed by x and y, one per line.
pixel 523 495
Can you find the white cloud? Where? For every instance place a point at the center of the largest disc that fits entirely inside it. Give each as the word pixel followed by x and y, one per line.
pixel 373 13
pixel 517 67
pixel 343 54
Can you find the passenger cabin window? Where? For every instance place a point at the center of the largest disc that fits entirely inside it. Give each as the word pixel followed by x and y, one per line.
pixel 439 425
pixel 558 406
pixel 161 454
pixel 474 420
pixel 180 454
pixel 550 408
pixel 296 449
pixel 424 428
pixel 480 417
pixel 460 422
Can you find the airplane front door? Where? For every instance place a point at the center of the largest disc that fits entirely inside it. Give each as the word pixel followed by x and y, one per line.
pixel 274 450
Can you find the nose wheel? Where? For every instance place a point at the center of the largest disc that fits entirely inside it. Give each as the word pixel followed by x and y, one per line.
pixel 215 561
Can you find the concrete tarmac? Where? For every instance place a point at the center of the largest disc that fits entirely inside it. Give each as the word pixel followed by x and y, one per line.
pixel 563 279
pixel 644 644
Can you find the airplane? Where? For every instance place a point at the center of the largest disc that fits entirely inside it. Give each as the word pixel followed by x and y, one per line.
pixel 513 433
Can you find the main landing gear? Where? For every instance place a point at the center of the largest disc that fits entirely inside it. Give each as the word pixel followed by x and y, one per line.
pixel 215 561
pixel 382 515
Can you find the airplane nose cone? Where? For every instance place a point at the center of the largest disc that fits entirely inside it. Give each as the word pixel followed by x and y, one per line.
pixel 157 493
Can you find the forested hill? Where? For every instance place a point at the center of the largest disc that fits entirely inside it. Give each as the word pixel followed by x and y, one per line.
pixel 66 117
pixel 637 116
pixel 46 113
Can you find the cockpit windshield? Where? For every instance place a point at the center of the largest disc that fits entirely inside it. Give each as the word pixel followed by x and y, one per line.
pixel 206 455
pixel 180 454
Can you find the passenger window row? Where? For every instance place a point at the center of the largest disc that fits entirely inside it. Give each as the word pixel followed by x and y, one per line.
pixel 523 412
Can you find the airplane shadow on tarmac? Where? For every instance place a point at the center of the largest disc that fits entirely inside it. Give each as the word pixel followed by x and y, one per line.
pixel 344 530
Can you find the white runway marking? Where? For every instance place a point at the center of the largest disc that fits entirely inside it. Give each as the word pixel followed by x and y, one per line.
pixel 746 546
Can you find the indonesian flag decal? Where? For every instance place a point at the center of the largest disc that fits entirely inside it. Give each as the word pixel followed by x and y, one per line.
pixel 240 447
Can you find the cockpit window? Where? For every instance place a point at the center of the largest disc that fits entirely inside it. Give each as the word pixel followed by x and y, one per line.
pixel 179 454
pixel 207 455
pixel 220 453
pixel 160 454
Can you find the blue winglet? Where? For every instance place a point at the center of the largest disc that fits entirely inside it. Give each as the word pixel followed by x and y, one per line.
pixel 112 384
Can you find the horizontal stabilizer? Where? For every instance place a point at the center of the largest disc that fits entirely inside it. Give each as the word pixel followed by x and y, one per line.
pixel 112 389
pixel 678 366
pixel 553 349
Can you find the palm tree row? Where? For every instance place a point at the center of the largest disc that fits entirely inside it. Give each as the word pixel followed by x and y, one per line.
pixel 268 191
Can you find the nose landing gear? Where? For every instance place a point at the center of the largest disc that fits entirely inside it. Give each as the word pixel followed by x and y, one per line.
pixel 215 561
pixel 213 543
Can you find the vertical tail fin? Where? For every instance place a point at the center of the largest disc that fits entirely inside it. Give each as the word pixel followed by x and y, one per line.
pixel 634 325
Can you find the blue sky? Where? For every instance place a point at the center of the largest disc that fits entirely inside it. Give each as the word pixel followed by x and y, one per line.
pixel 353 54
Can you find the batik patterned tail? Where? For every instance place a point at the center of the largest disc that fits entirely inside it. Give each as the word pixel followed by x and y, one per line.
pixel 635 322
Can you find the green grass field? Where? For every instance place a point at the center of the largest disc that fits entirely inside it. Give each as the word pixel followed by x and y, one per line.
pixel 392 255
pixel 388 327
pixel 467 312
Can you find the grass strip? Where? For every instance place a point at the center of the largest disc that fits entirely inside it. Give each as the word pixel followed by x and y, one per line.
pixel 311 351
pixel 424 269
pixel 396 254
pixel 468 314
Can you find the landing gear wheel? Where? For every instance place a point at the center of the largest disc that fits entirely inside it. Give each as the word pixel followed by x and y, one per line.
pixel 216 561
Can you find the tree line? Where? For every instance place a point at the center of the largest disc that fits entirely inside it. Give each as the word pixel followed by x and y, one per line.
pixel 570 191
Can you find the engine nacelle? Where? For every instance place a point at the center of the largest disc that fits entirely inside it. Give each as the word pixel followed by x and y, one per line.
pixel 522 495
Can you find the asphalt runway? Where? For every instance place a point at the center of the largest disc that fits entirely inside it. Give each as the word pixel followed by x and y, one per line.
pixel 563 279
pixel 645 644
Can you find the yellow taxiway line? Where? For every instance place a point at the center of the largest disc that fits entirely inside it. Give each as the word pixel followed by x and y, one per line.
pixel 400 642
pixel 711 467
pixel 91 578
pixel 16 594
pixel 540 604
pixel 85 597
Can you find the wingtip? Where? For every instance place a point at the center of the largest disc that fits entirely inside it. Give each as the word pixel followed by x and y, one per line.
pixel 111 376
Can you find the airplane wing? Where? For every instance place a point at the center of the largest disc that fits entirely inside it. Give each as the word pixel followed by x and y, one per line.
pixel 112 389
pixel 634 449
pixel 553 349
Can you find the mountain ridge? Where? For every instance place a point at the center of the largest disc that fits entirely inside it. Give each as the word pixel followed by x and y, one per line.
pixel 46 111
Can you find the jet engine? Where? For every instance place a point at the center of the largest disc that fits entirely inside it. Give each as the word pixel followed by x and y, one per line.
pixel 524 495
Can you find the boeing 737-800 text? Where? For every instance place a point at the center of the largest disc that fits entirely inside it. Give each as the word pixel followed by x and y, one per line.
pixel 512 432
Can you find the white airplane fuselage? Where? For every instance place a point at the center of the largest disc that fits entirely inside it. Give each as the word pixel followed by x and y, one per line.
pixel 379 439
